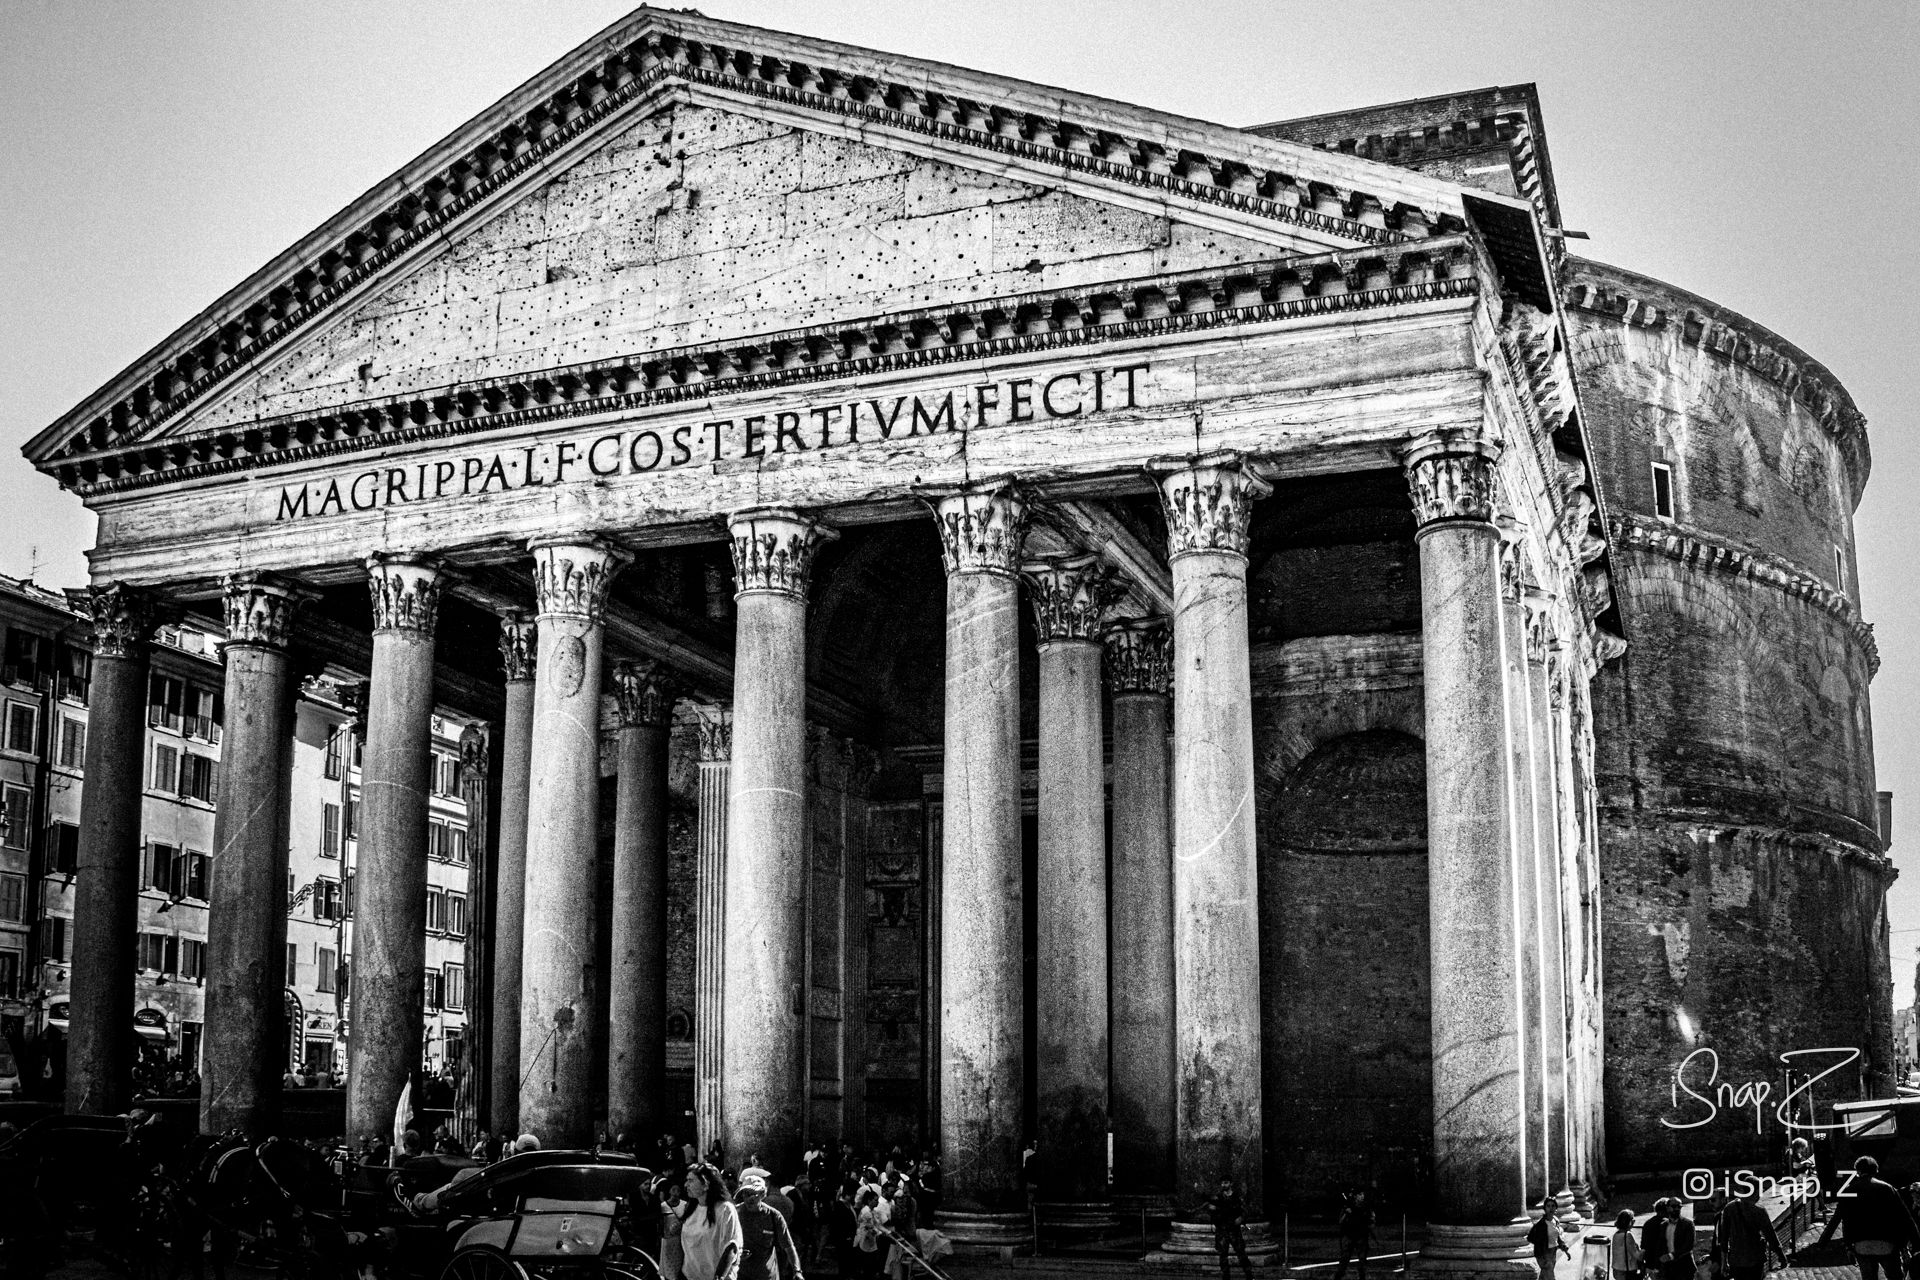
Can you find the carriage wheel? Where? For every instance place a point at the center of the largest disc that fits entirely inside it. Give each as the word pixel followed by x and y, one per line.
pixel 483 1262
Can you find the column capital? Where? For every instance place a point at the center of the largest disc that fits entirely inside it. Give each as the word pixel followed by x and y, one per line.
pixel 405 591
pixel 519 638
pixel 713 726
pixel 1140 656
pixel 645 692
pixel 572 575
pixel 773 550
pixel 1070 595
pixel 1451 477
pixel 1208 502
pixel 122 618
pixel 259 610
pixel 982 527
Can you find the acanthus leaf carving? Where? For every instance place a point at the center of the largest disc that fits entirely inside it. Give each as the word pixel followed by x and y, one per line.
pixel 982 528
pixel 1140 656
pixel 1208 502
pixel 645 691
pixel 405 591
pixel 259 610
pixel 773 551
pixel 573 576
pixel 1070 595
pixel 122 618
pixel 519 643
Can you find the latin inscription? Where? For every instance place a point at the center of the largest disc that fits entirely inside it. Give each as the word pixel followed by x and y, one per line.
pixel 805 428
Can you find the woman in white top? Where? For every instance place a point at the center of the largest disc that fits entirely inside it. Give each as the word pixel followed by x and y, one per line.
pixel 710 1238
pixel 673 1201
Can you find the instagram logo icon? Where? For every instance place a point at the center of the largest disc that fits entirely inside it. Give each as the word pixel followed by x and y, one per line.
pixel 1697 1184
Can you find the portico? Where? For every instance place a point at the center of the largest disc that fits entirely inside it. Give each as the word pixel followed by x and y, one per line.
pixel 997 636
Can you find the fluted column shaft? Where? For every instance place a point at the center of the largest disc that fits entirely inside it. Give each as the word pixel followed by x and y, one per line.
pixel 106 888
pixel 1527 867
pixel 981 1041
pixel 1479 1126
pixel 390 874
pixel 1216 925
pixel 1547 826
pixel 517 642
pixel 557 978
pixel 763 1083
pixel 714 725
pixel 1071 1056
pixel 1144 1112
pixel 637 1008
pixel 245 1047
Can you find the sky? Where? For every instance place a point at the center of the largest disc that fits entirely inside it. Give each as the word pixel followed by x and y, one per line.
pixel 1763 154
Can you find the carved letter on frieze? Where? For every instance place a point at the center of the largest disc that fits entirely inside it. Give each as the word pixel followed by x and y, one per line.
pixel 122 620
pixel 405 592
pixel 1140 656
pixel 645 693
pixel 773 551
pixel 1070 595
pixel 259 610
pixel 572 576
pixel 1451 478
pixel 518 638
pixel 1208 503
pixel 713 727
pixel 981 528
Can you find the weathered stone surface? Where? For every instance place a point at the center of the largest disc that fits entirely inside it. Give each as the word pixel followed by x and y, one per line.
pixel 510 879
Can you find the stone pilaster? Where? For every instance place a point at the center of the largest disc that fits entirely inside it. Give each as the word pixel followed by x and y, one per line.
pixel 572 577
pixel 518 640
pixel 1479 1125
pixel 981 1051
pixel 1069 595
pixel 763 1086
pixel 472 1106
pixel 1140 679
pixel 244 1054
pixel 1208 503
pixel 713 727
pixel 1544 737
pixel 106 887
pixel 390 875
pixel 637 1007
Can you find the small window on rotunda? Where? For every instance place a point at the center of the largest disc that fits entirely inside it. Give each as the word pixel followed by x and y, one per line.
pixel 1663 490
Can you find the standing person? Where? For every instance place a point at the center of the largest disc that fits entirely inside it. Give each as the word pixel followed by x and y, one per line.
pixel 904 1222
pixel 1667 1243
pixel 1624 1259
pixel 1876 1220
pixel 1743 1234
pixel 766 1251
pixel 673 1208
pixel 843 1228
pixel 710 1232
pixel 1356 1234
pixel 930 1182
pixel 866 1236
pixel 1229 1216
pixel 1544 1235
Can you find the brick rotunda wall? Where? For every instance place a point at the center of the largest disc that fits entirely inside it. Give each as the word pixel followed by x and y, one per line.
pixel 1743 876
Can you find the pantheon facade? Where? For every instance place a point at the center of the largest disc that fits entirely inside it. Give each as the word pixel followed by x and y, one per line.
pixel 1004 613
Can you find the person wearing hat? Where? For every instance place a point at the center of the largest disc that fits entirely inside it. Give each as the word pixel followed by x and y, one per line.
pixel 766 1251
pixel 776 1197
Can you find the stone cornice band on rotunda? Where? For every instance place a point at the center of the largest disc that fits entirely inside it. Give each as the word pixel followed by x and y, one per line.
pixel 1208 502
pixel 405 591
pixel 1140 657
pixel 122 619
pixel 573 574
pixel 259 610
pixel 1070 595
pixel 645 691
pixel 773 550
pixel 519 644
pixel 982 527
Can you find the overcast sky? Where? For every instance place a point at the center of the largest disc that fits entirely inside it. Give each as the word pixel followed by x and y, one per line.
pixel 1761 153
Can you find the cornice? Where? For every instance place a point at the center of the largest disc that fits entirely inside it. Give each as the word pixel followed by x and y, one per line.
pixel 535 124
pixel 929 337
pixel 1698 550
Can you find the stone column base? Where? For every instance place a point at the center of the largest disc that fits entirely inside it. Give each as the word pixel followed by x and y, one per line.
pixel 1190 1244
pixel 988 1235
pixel 1460 1253
pixel 1583 1201
pixel 1566 1208
pixel 1087 1219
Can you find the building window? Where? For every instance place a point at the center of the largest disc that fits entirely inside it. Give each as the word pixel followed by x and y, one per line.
pixel 436 989
pixel 166 769
pixel 199 869
pixel 1663 490
pixel 328 960
pixel 18 802
pixel 293 964
pixel 10 975
pixel 333 761
pixel 203 714
pixel 329 830
pixel 165 702
pixel 73 743
pixel 457 914
pixel 1840 570
pixel 446 842
pixel 13 897
pixel 76 674
pixel 193 959
pixel 457 845
pixel 160 952
pixel 446 774
pixel 163 869
pixel 53 939
pixel 353 817
pixel 196 777
pixel 436 911
pixel 349 895
pixel 63 850
pixel 454 986
pixel 326 899
pixel 22 662
pixel 23 727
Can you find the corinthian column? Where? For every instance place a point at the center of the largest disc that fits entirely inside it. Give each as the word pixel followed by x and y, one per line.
pixel 390 876
pixel 517 639
pixel 1478 1125
pixel 106 890
pixel 245 1048
pixel 1068 595
pixel 1216 920
pixel 714 726
pixel 981 531
pixel 557 978
pixel 637 1009
pixel 1139 674
pixel 763 1085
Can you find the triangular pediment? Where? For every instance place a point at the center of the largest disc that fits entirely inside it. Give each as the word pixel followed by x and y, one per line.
pixel 807 160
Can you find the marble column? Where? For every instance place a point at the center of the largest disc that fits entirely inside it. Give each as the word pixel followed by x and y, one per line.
pixel 106 889
pixel 714 727
pixel 1139 675
pixel 763 1084
pixel 1068 595
pixel 390 874
pixel 572 576
pixel 472 1108
pixel 517 641
pixel 1526 859
pixel 245 1005
pixel 637 1009
pixel 1216 919
pixel 1478 1125
pixel 981 1039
